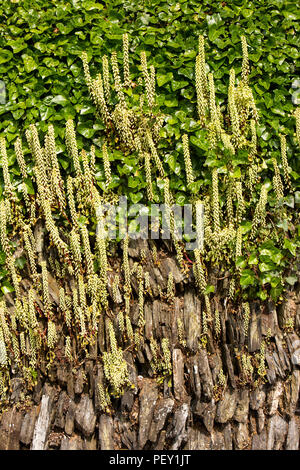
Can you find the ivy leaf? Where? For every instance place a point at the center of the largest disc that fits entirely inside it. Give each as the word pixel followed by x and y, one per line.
pixel 17 45
pixel 247 12
pixel 275 292
pixel 82 220
pixel 5 56
pixel 246 227
pixel 209 289
pixel 195 187
pixel 263 267
pixel 253 259
pixel 64 163
pixel 177 85
pixel 171 102
pixel 237 173
pixel 85 131
pixel 46 112
pixel 181 199
pixel 135 197
pixel 262 294
pixel 283 224
pixel 29 186
pixel 171 161
pixel 59 99
pixel 133 182
pixel 241 262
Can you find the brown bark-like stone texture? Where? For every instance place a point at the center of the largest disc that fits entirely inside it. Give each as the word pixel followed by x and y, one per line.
pixel 221 390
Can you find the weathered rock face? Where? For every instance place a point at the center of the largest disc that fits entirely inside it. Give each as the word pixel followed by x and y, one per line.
pixel 85 417
pixel 191 408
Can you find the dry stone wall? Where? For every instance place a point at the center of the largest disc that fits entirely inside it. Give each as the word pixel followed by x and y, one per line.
pixel 192 409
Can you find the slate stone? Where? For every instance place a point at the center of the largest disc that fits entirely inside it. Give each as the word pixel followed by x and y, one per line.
pixel 10 428
pixel 106 432
pixel 226 406
pixel 42 424
pixel 27 428
pixel 147 401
